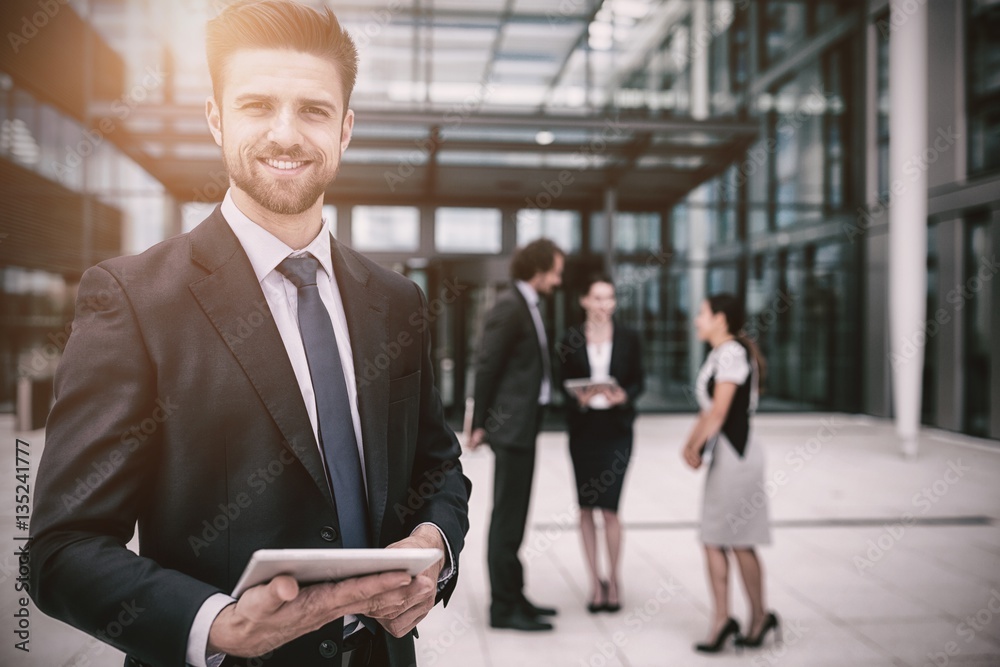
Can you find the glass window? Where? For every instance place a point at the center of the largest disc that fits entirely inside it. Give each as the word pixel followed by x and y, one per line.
pixel 783 24
pixel 882 111
pixel 928 403
pixel 977 327
pixel 755 169
pixel 330 215
pixel 20 133
pixel 798 158
pixel 633 232
pixel 385 228
pixel 724 192
pixel 563 227
pixel 475 230
pixel 679 227
pixel 835 127
pixel 6 88
pixel 984 85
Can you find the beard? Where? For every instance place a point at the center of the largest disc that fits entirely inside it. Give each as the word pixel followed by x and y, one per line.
pixel 286 196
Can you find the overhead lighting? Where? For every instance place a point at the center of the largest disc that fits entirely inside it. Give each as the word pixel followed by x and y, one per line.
pixel 544 138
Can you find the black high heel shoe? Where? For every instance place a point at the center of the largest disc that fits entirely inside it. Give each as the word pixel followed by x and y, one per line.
pixel 612 608
pixel 770 622
pixel 730 628
pixel 594 608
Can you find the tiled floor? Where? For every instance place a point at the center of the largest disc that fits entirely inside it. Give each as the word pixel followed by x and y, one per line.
pixel 853 585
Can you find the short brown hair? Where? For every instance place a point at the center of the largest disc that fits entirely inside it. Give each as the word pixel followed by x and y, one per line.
pixel 536 257
pixel 279 24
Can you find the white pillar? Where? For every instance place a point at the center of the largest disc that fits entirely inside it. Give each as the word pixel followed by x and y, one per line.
pixel 698 210
pixel 907 215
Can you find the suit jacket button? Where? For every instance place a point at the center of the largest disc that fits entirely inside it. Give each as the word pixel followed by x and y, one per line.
pixel 328 533
pixel 328 648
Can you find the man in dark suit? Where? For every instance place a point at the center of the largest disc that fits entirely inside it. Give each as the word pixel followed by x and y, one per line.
pixel 253 384
pixel 513 386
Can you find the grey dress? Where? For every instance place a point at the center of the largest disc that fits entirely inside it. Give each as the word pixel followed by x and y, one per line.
pixel 734 506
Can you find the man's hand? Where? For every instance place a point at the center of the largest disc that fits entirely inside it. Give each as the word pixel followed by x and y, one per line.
pixel 399 610
pixel 477 438
pixel 272 614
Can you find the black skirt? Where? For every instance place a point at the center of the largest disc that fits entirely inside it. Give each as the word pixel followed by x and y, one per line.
pixel 600 446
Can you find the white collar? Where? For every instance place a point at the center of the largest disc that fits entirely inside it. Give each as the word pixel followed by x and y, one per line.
pixel 264 249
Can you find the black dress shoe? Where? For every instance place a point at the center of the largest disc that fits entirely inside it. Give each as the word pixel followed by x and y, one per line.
pixel 532 610
pixel 518 620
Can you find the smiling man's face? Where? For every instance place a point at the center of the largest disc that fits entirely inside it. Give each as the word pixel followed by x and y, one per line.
pixel 282 126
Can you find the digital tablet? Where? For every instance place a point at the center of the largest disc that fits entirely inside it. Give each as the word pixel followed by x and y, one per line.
pixel 586 383
pixel 311 566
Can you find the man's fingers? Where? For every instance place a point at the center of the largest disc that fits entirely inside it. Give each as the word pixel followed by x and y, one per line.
pixel 284 588
pixel 396 603
pixel 404 623
pixel 353 596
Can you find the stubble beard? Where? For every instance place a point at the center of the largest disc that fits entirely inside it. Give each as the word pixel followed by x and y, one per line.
pixel 289 197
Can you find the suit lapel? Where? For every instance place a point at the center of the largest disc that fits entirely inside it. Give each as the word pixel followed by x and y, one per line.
pixel 618 353
pixel 366 309
pixel 526 313
pixel 232 299
pixel 582 358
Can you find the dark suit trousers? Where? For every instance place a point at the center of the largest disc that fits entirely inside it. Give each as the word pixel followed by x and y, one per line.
pixel 512 477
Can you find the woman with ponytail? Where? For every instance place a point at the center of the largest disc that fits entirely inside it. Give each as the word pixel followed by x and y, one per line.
pixel 727 390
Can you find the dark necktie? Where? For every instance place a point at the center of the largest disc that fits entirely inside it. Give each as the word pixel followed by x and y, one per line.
pixel 333 408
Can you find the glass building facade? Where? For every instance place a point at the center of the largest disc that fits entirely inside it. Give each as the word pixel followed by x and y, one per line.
pixel 793 221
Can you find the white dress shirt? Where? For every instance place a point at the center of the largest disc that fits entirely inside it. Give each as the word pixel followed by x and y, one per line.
pixel 266 252
pixel 531 296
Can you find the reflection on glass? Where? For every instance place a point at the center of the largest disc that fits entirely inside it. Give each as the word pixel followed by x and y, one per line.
pixel 798 168
pixel 784 25
pixel 984 86
pixel 474 230
pixel 882 102
pixel 978 247
pixel 632 232
pixel 385 228
pixel 563 227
